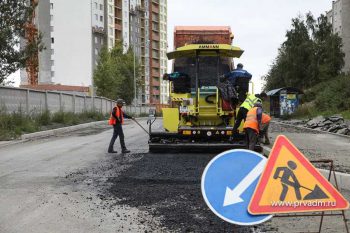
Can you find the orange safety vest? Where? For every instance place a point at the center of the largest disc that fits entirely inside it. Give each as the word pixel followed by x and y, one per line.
pixel 251 120
pixel 265 118
pixel 120 115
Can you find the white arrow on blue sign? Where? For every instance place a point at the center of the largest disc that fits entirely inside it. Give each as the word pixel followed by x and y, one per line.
pixel 228 183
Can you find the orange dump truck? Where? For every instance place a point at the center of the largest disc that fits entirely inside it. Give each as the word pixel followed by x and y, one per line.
pixel 202 35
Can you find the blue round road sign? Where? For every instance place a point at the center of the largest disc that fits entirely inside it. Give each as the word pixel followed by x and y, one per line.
pixel 228 183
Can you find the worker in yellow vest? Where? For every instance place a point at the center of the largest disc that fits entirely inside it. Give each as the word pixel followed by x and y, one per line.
pixel 246 106
pixel 117 119
pixel 252 125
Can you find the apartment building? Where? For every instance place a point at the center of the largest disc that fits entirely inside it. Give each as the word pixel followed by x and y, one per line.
pixel 75 31
pixel 339 17
pixel 73 34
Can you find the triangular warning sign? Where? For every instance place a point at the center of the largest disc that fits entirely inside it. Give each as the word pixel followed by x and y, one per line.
pixel 290 183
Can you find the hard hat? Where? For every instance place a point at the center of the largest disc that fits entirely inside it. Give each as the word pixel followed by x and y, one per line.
pixel 120 101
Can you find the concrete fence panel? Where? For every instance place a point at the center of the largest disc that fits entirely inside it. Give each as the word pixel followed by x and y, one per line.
pixel 37 102
pixel 67 103
pixel 79 104
pixel 53 102
pixel 33 101
pixel 13 100
pixel 88 103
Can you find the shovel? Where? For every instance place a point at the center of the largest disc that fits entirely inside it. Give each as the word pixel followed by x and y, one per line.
pixel 315 193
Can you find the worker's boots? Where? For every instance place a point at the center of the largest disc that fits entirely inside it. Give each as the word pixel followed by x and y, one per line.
pixel 124 151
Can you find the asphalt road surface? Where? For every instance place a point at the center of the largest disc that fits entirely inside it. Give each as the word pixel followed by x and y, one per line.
pixel 70 184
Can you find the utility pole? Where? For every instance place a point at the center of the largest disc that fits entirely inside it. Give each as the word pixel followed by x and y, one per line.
pixel 135 89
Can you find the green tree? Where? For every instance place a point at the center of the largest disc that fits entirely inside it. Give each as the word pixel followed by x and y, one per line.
pixel 13 17
pixel 328 56
pixel 114 74
pixel 310 54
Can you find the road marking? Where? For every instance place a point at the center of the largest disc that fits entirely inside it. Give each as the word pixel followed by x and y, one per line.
pixel 233 196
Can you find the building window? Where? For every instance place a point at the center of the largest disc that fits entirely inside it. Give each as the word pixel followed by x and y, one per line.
pixel 101 18
pixel 51 6
pixel 52 40
pixel 51 28
pixel 52 73
pixel 52 62
pixel 101 7
pixel 96 40
pixel 95 5
pixel 96 16
pixel 52 51
pixel 51 18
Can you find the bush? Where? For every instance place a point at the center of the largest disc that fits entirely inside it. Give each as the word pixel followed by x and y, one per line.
pixel 335 95
pixel 43 118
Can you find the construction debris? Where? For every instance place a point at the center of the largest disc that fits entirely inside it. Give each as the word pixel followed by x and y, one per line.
pixel 333 124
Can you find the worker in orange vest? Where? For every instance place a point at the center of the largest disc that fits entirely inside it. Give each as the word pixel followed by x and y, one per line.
pixel 117 119
pixel 265 122
pixel 252 125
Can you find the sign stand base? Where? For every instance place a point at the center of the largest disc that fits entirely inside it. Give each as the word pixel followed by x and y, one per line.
pixel 322 214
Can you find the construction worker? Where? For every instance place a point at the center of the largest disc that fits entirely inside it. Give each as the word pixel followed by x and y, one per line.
pixel 117 119
pixel 265 123
pixel 238 73
pixel 252 125
pixel 246 106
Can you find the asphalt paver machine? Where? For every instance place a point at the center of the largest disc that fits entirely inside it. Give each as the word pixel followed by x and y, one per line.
pixel 198 119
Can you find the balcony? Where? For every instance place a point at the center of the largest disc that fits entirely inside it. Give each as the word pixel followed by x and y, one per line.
pixel 155 83
pixel 155 17
pixel 155 74
pixel 140 8
pixel 98 30
pixel 155 92
pixel 155 9
pixel 155 64
pixel 155 37
pixel 118 27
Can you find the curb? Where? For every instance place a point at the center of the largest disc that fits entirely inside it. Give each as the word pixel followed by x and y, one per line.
pixel 343 179
pixel 313 130
pixel 51 132
pixel 54 132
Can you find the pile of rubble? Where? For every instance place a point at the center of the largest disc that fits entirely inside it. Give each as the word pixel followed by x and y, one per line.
pixel 333 124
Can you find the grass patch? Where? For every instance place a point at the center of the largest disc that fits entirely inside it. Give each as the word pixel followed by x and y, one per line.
pixel 326 99
pixel 13 125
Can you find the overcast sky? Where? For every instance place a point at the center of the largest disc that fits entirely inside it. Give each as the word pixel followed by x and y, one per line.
pixel 259 26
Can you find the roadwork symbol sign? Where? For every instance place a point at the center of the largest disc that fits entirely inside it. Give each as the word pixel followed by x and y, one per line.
pixel 290 183
pixel 228 183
